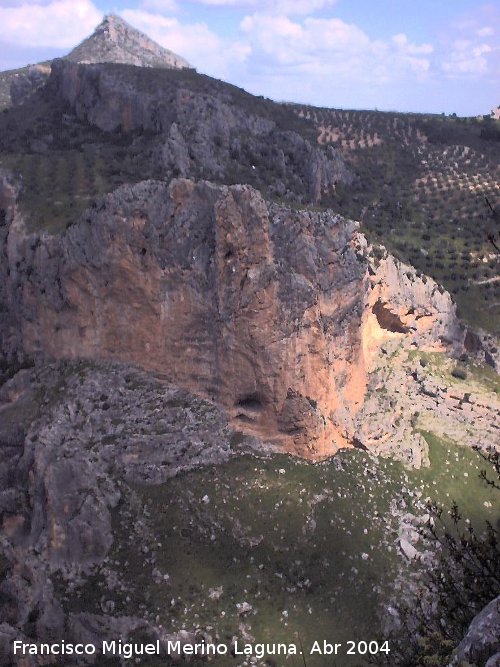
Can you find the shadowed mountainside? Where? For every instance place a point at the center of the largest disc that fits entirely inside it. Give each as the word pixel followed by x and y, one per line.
pixel 94 127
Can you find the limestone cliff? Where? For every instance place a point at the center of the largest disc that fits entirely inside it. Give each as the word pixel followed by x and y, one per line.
pixel 268 311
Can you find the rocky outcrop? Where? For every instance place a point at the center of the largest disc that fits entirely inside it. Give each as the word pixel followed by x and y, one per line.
pixel 406 394
pixel 115 41
pixel 408 319
pixel 205 129
pixel 484 347
pixel 87 430
pixel 407 306
pixel 256 308
pixel 27 82
pixel 265 310
pixel 17 85
pixel 9 192
pixel 481 644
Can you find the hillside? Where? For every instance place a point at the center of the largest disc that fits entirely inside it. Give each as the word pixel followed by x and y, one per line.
pixel 422 190
pixel 168 123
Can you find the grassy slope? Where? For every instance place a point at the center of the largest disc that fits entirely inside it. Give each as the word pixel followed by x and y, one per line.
pixel 315 572
pixel 64 164
pixel 288 536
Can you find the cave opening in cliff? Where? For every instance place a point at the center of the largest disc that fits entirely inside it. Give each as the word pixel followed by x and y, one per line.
pixel 387 319
pixel 252 402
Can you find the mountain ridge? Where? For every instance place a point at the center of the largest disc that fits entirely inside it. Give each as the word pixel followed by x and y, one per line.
pixel 112 41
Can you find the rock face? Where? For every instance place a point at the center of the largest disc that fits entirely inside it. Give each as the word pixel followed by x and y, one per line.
pixel 481 643
pixel 258 309
pixel 96 427
pixel 25 84
pixel 267 311
pixel 409 329
pixel 404 312
pixel 205 129
pixel 401 302
pixel 115 41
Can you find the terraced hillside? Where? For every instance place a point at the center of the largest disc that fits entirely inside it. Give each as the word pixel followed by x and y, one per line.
pixel 422 189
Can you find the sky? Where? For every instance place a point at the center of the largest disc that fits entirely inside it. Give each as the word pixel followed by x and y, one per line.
pixel 439 56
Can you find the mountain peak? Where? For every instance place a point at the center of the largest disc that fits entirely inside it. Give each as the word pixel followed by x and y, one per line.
pixel 112 22
pixel 114 40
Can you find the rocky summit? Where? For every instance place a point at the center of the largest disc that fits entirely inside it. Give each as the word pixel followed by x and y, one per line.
pixel 228 412
pixel 115 41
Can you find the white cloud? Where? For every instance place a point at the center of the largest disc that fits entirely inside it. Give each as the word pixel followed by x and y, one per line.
pixel 401 41
pixel 288 7
pixel 59 24
pixel 18 3
pixel 485 32
pixel 471 47
pixel 193 41
pixel 160 6
pixel 468 57
pixel 332 48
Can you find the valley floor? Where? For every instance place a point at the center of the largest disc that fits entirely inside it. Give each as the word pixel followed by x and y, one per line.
pixel 221 538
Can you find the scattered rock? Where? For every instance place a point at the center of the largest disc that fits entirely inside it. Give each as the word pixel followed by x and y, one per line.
pixel 244 608
pixel 408 549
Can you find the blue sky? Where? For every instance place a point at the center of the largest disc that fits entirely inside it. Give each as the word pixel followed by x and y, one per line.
pixel 408 55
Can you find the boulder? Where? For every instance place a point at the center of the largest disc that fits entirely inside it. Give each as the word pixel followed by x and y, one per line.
pixel 481 643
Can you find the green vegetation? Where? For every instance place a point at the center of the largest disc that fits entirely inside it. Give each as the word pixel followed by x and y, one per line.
pixel 63 165
pixel 421 192
pixel 456 472
pixel 72 180
pixel 477 376
pixel 465 579
pixel 311 547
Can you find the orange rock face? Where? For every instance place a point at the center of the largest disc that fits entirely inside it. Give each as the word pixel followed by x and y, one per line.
pixel 267 311
pixel 400 305
pixel 258 308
